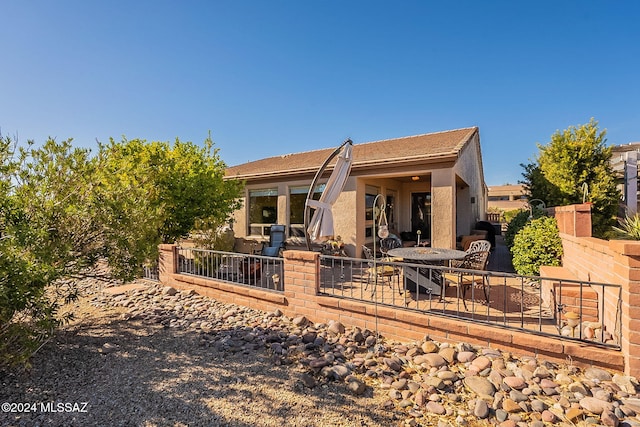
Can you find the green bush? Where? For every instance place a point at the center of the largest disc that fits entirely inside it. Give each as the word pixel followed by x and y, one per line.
pixel 515 225
pixel 507 216
pixel 537 243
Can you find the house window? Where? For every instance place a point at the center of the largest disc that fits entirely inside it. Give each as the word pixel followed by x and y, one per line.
pixel 263 210
pixel 297 201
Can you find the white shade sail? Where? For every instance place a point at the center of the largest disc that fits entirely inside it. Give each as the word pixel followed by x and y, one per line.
pixel 321 224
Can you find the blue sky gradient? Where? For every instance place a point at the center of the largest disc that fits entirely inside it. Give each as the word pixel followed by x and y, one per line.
pixel 275 77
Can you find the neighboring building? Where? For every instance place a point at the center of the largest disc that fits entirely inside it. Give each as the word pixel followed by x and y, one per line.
pixel 432 182
pixel 624 159
pixel 506 197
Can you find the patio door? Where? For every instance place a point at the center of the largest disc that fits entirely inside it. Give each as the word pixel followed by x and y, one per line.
pixel 421 214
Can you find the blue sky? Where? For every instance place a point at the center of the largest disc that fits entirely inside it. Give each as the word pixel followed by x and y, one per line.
pixel 275 77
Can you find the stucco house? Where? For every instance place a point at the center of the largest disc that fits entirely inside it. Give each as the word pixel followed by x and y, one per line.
pixel 432 182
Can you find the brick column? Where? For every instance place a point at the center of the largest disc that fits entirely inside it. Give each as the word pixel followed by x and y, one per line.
pixel 574 220
pixel 627 267
pixel 302 282
pixel 167 262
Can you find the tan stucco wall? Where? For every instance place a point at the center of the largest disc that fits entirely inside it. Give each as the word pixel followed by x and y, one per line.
pixel 443 209
pixel 345 216
pixel 469 169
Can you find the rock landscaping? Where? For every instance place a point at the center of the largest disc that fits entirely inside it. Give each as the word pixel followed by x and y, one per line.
pixel 424 383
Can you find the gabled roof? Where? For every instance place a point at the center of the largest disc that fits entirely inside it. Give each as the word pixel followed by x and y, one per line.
pixel 435 146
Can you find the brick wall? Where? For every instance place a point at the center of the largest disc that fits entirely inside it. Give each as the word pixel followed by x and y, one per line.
pixel 615 262
pixel 301 297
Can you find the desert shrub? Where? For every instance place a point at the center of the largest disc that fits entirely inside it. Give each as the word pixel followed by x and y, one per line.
pixel 537 243
pixel 63 211
pixel 629 228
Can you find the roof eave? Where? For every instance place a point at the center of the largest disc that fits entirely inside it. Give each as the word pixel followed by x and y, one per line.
pixel 362 164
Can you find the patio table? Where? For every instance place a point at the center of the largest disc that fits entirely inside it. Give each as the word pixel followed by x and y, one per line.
pixel 415 277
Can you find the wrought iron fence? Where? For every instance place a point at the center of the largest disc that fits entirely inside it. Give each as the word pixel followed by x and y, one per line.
pixel 151 272
pixel 250 270
pixel 579 310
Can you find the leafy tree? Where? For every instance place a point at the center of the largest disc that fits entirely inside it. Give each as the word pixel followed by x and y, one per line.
pixel 575 157
pixel 63 211
pixel 180 185
pixel 47 234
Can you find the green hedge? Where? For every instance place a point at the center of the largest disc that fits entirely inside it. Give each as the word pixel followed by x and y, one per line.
pixel 519 220
pixel 537 243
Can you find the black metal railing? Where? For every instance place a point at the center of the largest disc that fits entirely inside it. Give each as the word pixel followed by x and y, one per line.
pixel 151 271
pixel 249 270
pixel 579 310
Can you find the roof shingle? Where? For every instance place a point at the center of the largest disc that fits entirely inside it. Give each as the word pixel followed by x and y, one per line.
pixel 424 146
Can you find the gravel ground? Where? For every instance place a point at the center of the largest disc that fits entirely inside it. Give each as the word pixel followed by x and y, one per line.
pixel 153 356
pixel 115 372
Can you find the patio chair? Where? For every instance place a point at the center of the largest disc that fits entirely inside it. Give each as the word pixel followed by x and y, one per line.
pixel 387 244
pixel 464 280
pixel 479 246
pixel 383 271
pixel 276 241
pixel 475 246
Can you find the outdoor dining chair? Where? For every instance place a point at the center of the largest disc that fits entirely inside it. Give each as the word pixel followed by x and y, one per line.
pixel 475 263
pixel 475 246
pixel 383 271
pixel 387 244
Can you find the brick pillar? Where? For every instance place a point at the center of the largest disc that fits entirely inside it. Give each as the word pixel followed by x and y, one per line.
pixel 302 282
pixel 167 262
pixel 574 220
pixel 627 268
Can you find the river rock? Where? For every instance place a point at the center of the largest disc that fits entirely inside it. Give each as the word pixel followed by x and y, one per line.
pixel 597 374
pixel 609 418
pixel 336 328
pixel 429 347
pixel 432 359
pixel 510 406
pixel 393 364
pixel 595 405
pixel 481 363
pixel 356 386
pixel 480 385
pixel 625 383
pixel 577 387
pixel 515 382
pixel 481 409
pixel 435 408
pixel 466 356
pixel 448 354
pixel 299 321
pixel 168 290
